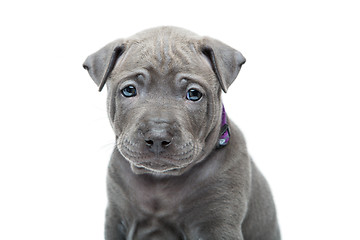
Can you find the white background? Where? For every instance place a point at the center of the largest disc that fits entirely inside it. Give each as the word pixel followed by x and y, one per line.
pixel 296 99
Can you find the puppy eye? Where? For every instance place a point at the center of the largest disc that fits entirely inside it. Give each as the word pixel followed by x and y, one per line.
pixel 129 91
pixel 193 95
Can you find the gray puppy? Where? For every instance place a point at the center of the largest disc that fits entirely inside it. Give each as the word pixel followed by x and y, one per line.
pixel 175 172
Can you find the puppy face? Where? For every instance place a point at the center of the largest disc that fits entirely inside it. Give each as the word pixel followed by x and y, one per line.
pixel 164 89
pixel 162 101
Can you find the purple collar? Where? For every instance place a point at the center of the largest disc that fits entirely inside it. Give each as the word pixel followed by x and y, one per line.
pixel 225 131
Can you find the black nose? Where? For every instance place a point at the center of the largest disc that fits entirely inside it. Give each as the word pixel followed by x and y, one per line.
pixel 158 140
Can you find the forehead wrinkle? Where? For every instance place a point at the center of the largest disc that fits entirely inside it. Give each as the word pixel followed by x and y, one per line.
pixel 182 55
pixel 158 52
pixel 161 50
pixel 165 55
pixel 169 52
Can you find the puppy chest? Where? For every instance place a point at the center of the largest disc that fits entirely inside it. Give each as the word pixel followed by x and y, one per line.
pixel 158 205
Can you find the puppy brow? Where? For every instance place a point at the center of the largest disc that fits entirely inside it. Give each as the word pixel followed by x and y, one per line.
pixel 137 75
pixel 183 79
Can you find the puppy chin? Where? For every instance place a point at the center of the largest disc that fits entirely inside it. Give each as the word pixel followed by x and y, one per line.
pixel 140 163
pixel 160 173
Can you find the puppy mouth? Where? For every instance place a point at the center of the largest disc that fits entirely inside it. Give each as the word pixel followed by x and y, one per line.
pixel 156 168
pixel 155 165
pixel 143 161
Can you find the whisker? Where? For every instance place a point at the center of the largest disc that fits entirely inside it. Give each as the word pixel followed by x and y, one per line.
pixel 108 146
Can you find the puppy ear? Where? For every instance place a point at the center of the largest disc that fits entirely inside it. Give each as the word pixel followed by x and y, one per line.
pixel 225 61
pixel 101 63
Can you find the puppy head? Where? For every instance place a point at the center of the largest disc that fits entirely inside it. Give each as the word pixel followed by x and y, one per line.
pixel 164 88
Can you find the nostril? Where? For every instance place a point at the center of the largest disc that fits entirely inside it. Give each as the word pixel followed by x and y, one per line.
pixel 165 143
pixel 149 143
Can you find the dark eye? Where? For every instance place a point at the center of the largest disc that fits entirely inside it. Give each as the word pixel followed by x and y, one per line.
pixel 193 95
pixel 129 91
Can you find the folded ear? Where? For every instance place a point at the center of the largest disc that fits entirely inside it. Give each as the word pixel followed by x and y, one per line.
pixel 225 61
pixel 101 63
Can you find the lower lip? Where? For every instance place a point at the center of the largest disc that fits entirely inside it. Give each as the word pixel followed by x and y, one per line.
pixel 141 167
